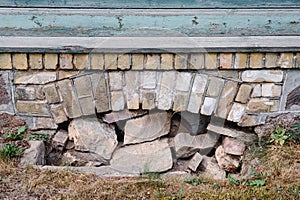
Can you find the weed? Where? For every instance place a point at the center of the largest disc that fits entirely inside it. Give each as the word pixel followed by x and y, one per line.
pixel 233 180
pixel 10 150
pixel 194 181
pixel 180 193
pixel 258 183
pixel 42 137
pixel 17 136
pixel 279 137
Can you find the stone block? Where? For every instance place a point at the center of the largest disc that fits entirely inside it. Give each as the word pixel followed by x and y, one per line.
pixel 196 61
pixel 166 91
pixel 167 61
pixel 45 123
pixel 259 105
pixel 271 90
pixel 298 60
pixel 39 93
pixel 58 113
pixel 20 61
pixel 83 86
pixel 63 74
pixel 152 61
pixel 286 60
pixel 257 91
pixel 208 106
pixel 181 61
pixel 233 146
pixel 137 61
pixel 195 162
pixel 214 87
pixel 60 139
pixel 226 98
pixel 210 169
pixel 5 61
pixel 25 93
pixel 148 101
pixel 226 61
pixel 132 80
pixel 122 115
pixel 34 77
pixel 271 60
pixel 211 61
pixel 115 81
pixel 236 113
pixel 100 91
pixel 6 102
pixel 124 61
pixel 225 161
pixel 197 92
pixel 117 101
pixel 32 108
pixel 70 102
pixel 149 79
pixel 111 61
pixel 66 61
pixel 81 61
pixel 251 120
pixel 36 61
pixel 87 106
pixel 51 61
pixel 243 93
pixel 181 101
pixel 258 76
pixel 240 60
pixel 97 61
pixel 35 154
pixel 183 81
pixel 256 60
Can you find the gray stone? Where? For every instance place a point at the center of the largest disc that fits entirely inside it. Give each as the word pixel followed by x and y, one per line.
pixel 51 93
pixel 100 92
pixel 58 113
pixel 92 136
pixel 259 105
pixel 132 89
pixel 32 108
pixel 115 81
pixel 78 159
pixel 195 162
pixel 186 145
pixel 243 93
pixel 183 81
pixel 225 161
pixel 149 79
pixel 60 139
pixel 233 146
pixel 35 155
pixel 197 92
pixel 87 106
pixel 148 101
pixel 181 101
pixel 195 123
pixel 291 83
pixel 122 115
pixel 210 168
pixel 214 87
pixel 147 128
pixel 166 92
pixel 34 77
pixel 44 123
pixel 208 106
pixel 117 101
pixel 153 156
pixel 181 61
pixel 6 102
pixel 257 91
pixel 236 113
pixel 83 86
pixel 25 93
pixel 262 76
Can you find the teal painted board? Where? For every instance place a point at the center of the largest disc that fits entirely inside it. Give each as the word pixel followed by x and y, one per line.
pixel 151 3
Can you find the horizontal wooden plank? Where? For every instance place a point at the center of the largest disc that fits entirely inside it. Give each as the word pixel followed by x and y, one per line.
pixel 150 44
pixel 151 3
pixel 143 22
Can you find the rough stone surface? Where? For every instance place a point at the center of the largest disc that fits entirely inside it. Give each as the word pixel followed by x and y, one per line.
pixel 79 159
pixel 111 61
pixel 100 92
pixel 214 87
pixel 34 108
pixel 92 136
pixel 116 81
pixel 165 97
pixel 256 60
pixel 148 101
pixel 298 60
pixel 180 61
pixel 225 161
pixel 152 61
pixel 45 123
pixel 153 156
pixel 226 60
pixel 240 60
pixel 210 168
pixel 83 86
pixel 20 61
pixel 257 76
pixel 64 74
pixel 196 61
pixel 81 61
pixel 117 101
pixel 60 139
pixel 186 145
pixel 211 61
pixel 50 61
pixel 122 115
pixel 243 93
pixel 97 61
pixel 65 61
pixel 195 162
pixel 259 105
pixel 51 93
pixel 123 61
pixel 208 106
pixel 35 155
pixel 5 61
pixel 58 113
pixel 35 61
pixel 180 101
pixel 183 81
pixel 197 92
pixel 236 112
pixel 195 123
pixel 271 90
pixel 271 60
pixel 257 91
pixel 233 146
pixel 25 93
pixel 137 61
pixel 6 103
pixel 286 60
pixel 147 128
pixel 34 77
pixel 251 120
pixel 132 89
pixel 167 61
pixel 87 105
pixel 149 79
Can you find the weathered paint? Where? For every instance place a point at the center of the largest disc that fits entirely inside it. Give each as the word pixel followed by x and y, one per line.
pixel 137 22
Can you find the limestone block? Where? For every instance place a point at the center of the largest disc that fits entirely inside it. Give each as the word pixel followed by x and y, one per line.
pixel 25 93
pixel 111 61
pixel 196 61
pixel 34 77
pixel 167 61
pixel 148 101
pixel 6 101
pixel 33 108
pixel 97 61
pixel 243 93
pixel 87 105
pixel 137 61
pixel 259 76
pixel 64 74
pixel 181 101
pixel 298 60
pixel 197 92
pixel 211 61
pixel 233 146
pixel 5 61
pixel 149 79
pixel 100 91
pixel 152 61
pixel 210 168
pixel 124 61
pixel 115 81
pixel 286 60
pixel 81 61
pixel 251 120
pixel 35 155
pixel 58 113
pixel 183 81
pixel 51 93
pixel 195 162
pixel 66 61
pixel 45 123
pixel 132 80
pixel 20 61
pixel 181 61
pixel 166 92
pixel 226 61
pixel 240 60
pixel 256 60
pixel 225 161
pixel 271 90
pixel 36 61
pixel 122 115
pixel 214 87
pixel 271 60
pixel 117 101
pixel 259 105
pixel 236 113
pixel 208 106
pixel 257 91
pixel 51 61
pixel 60 139
pixel 83 86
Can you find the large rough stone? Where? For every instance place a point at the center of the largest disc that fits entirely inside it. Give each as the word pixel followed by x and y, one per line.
pixel 149 79
pixel 186 145
pixel 92 136
pixel 77 158
pixel 180 101
pixel 196 123
pixel 122 115
pixel 83 86
pixel 259 105
pixel 115 81
pixel 214 87
pixel 210 168
pixel 233 146
pixel 117 100
pixel 58 113
pixel 262 76
pixel 147 128
pixel 183 81
pixel 6 103
pixel 153 156
pixel 225 161
pixel 271 90
pixel 35 155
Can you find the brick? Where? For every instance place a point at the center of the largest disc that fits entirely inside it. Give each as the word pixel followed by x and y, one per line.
pixel 197 92
pixel 256 91
pixel 226 61
pixel 152 61
pixel 298 60
pixel 83 86
pixel 211 61
pixel 240 60
pixel 271 90
pixel 214 87
pixel 166 92
pixel 63 74
pixel 51 61
pixel 286 60
pixel 236 113
pixel 180 102
pixel 111 61
pixel 35 61
pixel 20 61
pixel 70 102
pixel 100 91
pixel 58 113
pixel 124 61
pixel 81 61
pixel 181 61
pixel 243 93
pixel 148 101
pixel 97 61
pixel 115 81
pixel 117 101
pixel 25 93
pixel 34 77
pixel 271 60
pixel 5 61
pixel 196 61
pixel 259 105
pixel 137 61
pixel 132 89
pixel 258 76
pixel 149 79
pixel 183 81
pixel 256 60
pixel 87 106
pixel 65 61
pixel 51 93
pixel 167 61
pixel 227 96
pixel 208 106
pixel 45 123
pixel 33 108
